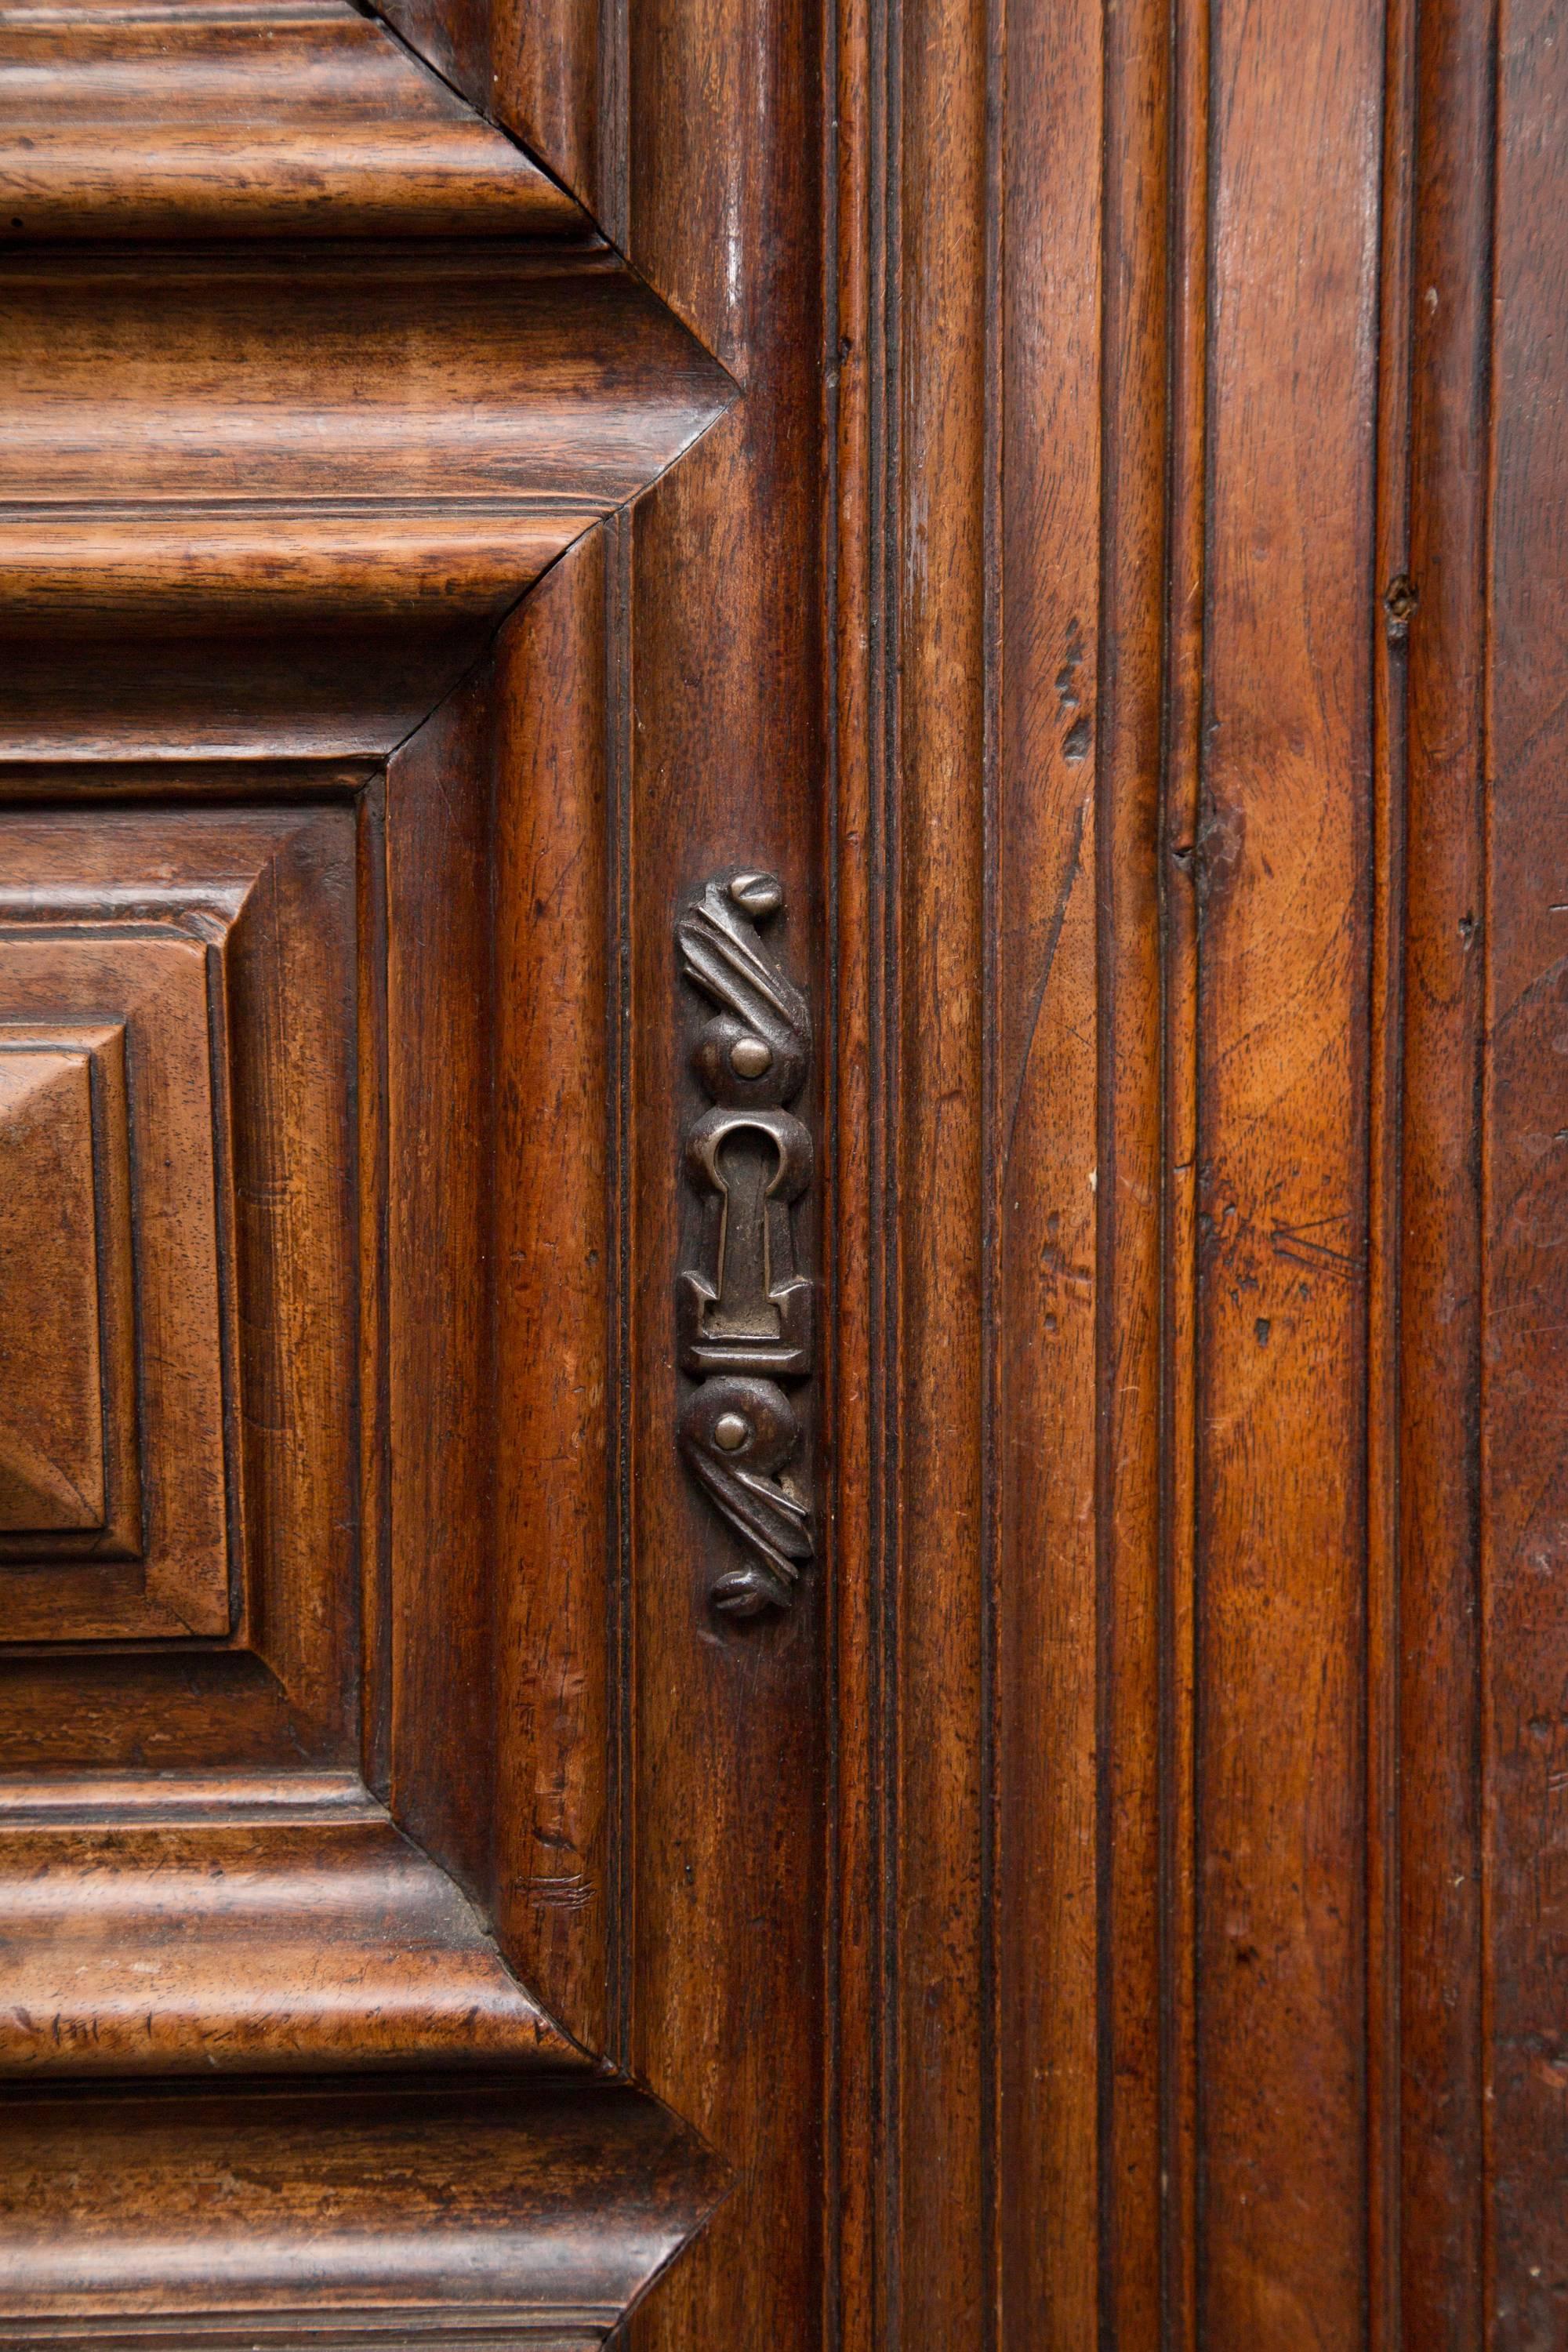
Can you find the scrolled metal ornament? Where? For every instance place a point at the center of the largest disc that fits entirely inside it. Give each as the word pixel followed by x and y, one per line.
pixel 740 1437
pixel 744 1314
pixel 757 1050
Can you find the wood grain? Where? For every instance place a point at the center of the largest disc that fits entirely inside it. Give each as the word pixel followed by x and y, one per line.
pixel 1129 729
pixel 555 1273
pixel 1185 609
pixel 554 71
pixel 939 1630
pixel 1440 1301
pixel 203 933
pixel 51 1360
pixel 277 497
pixel 1385 1157
pixel 1284 938
pixel 500 1142
pixel 296 1934
pixel 247 1369
pixel 279 118
pixel 1120 1903
pixel 723 751
pixel 376 2213
pixel 441 1394
pixel 1524 1369
pixel 157 983
pixel 854 1178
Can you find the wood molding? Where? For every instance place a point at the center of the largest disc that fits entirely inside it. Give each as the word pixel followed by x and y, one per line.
pixel 268 489
pixel 167 1928
pixel 148 118
pixel 1077 494
pixel 339 2212
pixel 275 500
pixel 68 1456
pixel 313 374
pixel 555 72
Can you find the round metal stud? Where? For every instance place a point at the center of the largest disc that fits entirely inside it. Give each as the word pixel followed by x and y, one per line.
pixel 759 895
pixel 749 1058
pixel 730 1431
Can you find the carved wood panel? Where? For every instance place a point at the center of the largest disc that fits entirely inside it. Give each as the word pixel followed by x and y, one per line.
pixel 1201 1647
pixel 928 1667
pixel 311 374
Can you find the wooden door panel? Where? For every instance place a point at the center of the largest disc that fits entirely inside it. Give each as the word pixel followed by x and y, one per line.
pixel 1193 1706
pixel 1066 499
pixel 222 953
pixel 311 374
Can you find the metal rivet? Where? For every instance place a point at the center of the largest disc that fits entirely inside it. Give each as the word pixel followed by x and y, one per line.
pixel 759 893
pixel 729 1432
pixel 749 1058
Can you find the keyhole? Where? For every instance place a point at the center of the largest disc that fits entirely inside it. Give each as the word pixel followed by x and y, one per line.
pixel 743 1311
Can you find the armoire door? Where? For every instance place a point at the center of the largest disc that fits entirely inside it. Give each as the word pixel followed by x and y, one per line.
pixel 783 1175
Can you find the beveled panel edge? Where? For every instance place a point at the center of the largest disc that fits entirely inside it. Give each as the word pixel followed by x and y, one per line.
pixel 118 1533
pixel 173 1577
pixel 553 2208
pixel 272 1937
pixel 52 1436
pixel 284 117
pixel 148 612
pixel 237 776
pixel 89 1798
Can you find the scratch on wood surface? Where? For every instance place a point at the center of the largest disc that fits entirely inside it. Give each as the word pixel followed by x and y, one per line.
pixel 1053 936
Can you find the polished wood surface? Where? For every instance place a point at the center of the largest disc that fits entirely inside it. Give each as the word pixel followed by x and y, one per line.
pixel 1281 861
pixel 1524 1907
pixel 731 1877
pixel 311 374
pixel 1204 1697
pixel 1075 493
pixel 245 1929
pixel 54 1471
pixel 268 118
pixel 557 1908
pixel 280 497
pixel 370 2215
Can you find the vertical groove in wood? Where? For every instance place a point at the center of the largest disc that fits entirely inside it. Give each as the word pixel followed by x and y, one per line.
pixel 1389 624
pixel 864 1223
pixel 1181 821
pixel 1440 1329
pixel 1524 1180
pixel 941 615
pixel 554 1268
pixel 1133 378
pixel 610 200
pixel 995 2051
pixel 375 1699
pixel 887 59
pixel 852 2316
pixel 621 1830
pixel 1283 858
pixel 1046 1145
